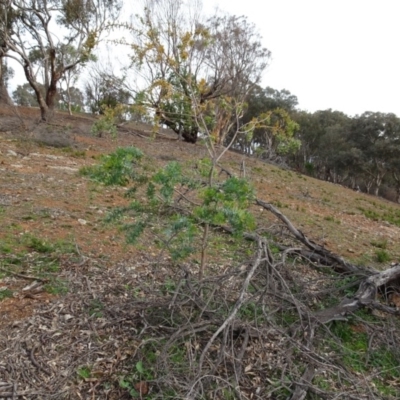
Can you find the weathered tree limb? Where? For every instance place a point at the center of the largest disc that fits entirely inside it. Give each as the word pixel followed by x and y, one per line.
pixel 301 390
pixel 365 296
pixel 318 249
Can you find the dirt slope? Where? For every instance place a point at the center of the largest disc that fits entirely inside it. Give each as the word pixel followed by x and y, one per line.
pixel 42 194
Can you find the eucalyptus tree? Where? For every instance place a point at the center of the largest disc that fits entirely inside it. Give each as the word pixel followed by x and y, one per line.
pixel 40 34
pixel 105 89
pixel 5 72
pixel 264 141
pixel 24 95
pixel 196 72
pixel 318 153
pixel 375 135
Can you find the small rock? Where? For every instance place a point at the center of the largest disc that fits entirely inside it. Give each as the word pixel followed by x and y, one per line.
pixel 12 153
pixel 82 221
pixel 52 157
pixel 70 169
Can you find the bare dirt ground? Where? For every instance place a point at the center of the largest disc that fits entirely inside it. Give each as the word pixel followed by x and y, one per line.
pixel 44 201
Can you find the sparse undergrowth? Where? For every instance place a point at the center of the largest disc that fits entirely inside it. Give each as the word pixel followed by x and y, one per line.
pixel 222 324
pixel 38 261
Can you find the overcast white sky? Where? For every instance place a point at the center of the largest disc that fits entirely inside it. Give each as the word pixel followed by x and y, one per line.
pixel 339 54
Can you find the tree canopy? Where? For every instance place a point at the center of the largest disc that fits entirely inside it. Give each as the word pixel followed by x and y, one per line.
pixel 39 35
pixel 193 68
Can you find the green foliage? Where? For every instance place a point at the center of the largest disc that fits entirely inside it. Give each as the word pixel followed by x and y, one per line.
pixel 252 312
pixel 386 361
pixel 84 372
pixel 25 96
pixel 5 293
pixel 331 219
pixel 57 286
pixel 382 256
pixel 227 204
pixel 184 202
pixel 106 124
pixel 380 244
pixel 96 308
pixel 353 346
pixel 140 373
pixel 116 168
pixel 391 215
pixel 37 244
pixel 348 285
pixel 357 354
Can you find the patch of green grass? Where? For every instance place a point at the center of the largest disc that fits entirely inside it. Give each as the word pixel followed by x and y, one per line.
pixel 286 317
pixel 369 214
pixel 57 287
pixel 5 293
pixel 44 246
pixel 279 204
pixel 322 383
pixel 380 244
pixel 36 244
pixel 43 266
pixel 385 389
pixel 96 308
pixel 391 215
pixel 387 361
pixel 28 217
pixel 354 350
pixel 348 285
pixel 382 256
pixel 74 153
pixel 169 286
pixel 353 346
pixel 84 372
pixel 366 315
pixel 252 312
pixel 332 219
pixel 5 248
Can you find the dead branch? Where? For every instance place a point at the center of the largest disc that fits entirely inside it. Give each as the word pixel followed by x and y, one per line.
pixel 365 296
pixel 320 250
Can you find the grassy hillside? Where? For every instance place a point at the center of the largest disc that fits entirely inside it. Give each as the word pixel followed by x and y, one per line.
pixel 84 315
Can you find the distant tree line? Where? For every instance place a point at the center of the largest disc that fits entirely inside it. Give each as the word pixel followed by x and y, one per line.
pixel 361 152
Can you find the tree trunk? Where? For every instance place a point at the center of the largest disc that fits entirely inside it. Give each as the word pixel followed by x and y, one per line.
pixel 4 96
pixel 190 135
pixel 69 100
pixel 51 96
pixel 378 183
pixel 368 186
pixel 44 109
pixel 52 90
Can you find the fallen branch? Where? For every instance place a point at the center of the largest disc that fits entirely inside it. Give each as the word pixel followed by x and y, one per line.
pixel 320 250
pixel 365 296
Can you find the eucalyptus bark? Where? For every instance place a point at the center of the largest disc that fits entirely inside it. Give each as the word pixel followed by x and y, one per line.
pixel 4 96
